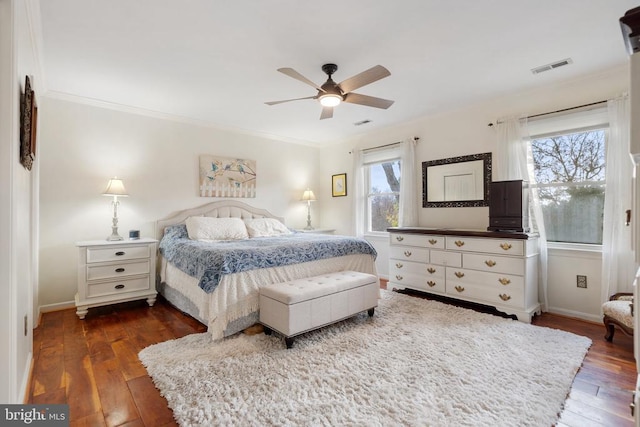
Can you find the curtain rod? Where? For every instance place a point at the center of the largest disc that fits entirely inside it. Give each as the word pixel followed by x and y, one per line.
pixel 558 111
pixel 415 138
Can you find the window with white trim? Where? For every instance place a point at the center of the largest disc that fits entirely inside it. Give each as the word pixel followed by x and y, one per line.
pixel 569 167
pixel 382 188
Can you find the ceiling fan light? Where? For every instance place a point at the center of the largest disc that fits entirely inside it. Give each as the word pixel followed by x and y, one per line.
pixel 330 100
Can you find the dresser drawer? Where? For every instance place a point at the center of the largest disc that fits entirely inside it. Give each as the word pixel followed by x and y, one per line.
pixel 495 281
pixel 418 281
pixel 434 270
pixel 118 287
pixel 116 270
pixel 397 266
pixel 422 241
pixel 117 253
pixel 493 246
pixel 409 253
pixel 492 263
pixel 493 296
pixel 450 259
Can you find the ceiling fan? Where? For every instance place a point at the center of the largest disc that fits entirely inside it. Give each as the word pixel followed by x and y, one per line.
pixel 331 94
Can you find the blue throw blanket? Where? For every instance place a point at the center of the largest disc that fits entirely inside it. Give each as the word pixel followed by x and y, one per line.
pixel 209 261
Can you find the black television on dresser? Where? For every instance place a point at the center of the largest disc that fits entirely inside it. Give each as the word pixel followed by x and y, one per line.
pixel 509 206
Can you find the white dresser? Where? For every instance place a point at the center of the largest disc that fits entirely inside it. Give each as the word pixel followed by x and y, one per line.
pixel 491 268
pixel 115 271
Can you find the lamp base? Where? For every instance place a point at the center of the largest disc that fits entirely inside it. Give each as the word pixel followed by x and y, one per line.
pixel 114 238
pixel 308 227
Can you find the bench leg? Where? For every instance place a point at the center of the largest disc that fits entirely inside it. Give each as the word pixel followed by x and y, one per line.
pixel 371 311
pixel 288 341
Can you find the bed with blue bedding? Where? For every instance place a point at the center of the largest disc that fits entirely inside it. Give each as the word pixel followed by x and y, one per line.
pixel 217 282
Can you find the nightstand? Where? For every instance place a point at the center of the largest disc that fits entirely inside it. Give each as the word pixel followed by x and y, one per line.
pixel 115 271
pixel 317 230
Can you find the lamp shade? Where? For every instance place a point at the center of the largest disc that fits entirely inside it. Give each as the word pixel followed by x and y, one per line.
pixel 308 196
pixel 115 187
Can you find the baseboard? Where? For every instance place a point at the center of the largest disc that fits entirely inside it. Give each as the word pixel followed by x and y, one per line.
pixel 56 307
pixel 576 314
pixel 26 379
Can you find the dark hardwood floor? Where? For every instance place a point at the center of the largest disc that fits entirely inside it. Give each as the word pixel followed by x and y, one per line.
pixel 92 365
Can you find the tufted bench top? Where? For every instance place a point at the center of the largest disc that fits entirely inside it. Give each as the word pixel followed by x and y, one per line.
pixel 305 289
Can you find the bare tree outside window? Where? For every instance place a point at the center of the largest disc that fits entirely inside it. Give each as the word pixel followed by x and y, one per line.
pixel 383 195
pixel 570 177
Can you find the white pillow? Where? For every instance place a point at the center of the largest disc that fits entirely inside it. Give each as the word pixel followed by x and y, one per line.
pixel 266 227
pixel 211 229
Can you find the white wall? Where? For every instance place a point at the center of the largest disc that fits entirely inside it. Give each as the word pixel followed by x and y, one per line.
pixel 83 146
pixel 17 208
pixel 466 132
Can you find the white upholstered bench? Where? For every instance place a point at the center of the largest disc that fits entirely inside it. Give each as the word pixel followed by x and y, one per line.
pixel 298 306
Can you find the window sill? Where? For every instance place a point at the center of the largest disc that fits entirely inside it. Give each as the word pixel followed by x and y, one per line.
pixel 579 247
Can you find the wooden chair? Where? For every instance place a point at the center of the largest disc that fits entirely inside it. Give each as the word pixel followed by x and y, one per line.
pixel 618 311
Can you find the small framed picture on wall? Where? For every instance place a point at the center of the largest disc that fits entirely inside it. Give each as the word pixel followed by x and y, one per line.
pixel 339 185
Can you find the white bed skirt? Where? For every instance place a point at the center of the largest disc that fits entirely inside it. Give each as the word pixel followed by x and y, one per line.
pixel 236 296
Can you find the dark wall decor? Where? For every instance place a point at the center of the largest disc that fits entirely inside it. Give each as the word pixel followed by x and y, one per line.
pixel 28 119
pixel 432 167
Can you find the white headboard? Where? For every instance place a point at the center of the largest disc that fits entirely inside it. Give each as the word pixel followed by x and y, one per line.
pixel 218 209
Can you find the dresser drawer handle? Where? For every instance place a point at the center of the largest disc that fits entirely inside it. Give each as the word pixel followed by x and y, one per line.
pixel 459 288
pixel 119 269
pixel 505 246
pixel 504 281
pixel 431 283
pixel 504 297
pixel 459 274
pixel 398 277
pixel 431 270
pixel 120 253
pixel 459 243
pixel 119 286
pixel 399 238
pixel 407 253
pixel 490 263
pixel 399 265
pixel 433 241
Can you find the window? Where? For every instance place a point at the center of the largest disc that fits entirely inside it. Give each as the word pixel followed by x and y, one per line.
pixel 383 194
pixel 569 169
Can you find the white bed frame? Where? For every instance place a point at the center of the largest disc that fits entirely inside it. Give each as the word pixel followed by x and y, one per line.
pixel 218 209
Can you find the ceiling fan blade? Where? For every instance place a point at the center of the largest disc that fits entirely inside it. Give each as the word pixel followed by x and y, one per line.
pixel 369 101
pixel 296 75
pixel 364 78
pixel 327 113
pixel 288 100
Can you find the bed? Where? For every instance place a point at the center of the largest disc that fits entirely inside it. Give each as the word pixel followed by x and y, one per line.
pixel 218 282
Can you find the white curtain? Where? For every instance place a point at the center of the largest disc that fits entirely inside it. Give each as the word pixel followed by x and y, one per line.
pixel 617 255
pixel 409 198
pixel 514 160
pixel 359 196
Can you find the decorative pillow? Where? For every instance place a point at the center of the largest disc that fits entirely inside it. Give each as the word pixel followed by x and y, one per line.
pixel 210 229
pixel 266 227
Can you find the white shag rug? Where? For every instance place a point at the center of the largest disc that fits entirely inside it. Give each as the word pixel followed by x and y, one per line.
pixel 415 362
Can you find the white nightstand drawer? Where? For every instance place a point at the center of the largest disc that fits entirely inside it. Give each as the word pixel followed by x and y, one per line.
pixel 118 253
pixel 119 287
pixel 117 270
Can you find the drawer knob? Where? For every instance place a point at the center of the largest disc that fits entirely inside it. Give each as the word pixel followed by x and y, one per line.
pixel 399 265
pixel 504 281
pixel 490 263
pixel 505 246
pixel 399 238
pixel 459 243
pixel 431 270
pixel 431 283
pixel 119 269
pixel 433 241
pixel 459 274
pixel 459 288
pixel 504 297
pixel 407 253
pixel 119 286
pixel 120 253
pixel 398 277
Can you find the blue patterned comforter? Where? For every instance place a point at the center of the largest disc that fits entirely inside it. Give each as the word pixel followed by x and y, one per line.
pixel 209 261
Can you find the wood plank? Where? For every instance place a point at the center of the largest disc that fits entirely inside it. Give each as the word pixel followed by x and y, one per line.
pixel 82 393
pixel 116 400
pixel 153 408
pixel 127 355
pixel 48 372
pixel 93 420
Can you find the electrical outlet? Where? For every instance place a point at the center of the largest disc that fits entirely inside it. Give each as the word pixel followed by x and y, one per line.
pixel 581 281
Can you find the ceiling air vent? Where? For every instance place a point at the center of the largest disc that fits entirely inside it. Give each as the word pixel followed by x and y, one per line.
pixel 551 66
pixel 362 122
